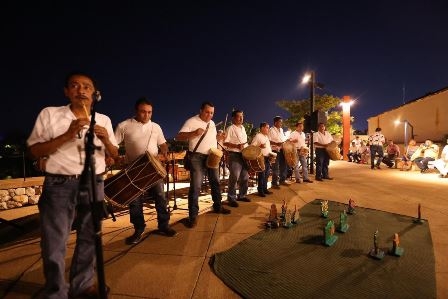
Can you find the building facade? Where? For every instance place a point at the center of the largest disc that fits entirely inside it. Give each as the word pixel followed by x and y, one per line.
pixel 427 118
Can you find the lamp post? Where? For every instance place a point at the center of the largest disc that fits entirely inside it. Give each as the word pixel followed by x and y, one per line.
pixel 310 78
pixel 346 103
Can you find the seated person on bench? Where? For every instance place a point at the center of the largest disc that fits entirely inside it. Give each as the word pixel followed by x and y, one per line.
pixel 427 151
pixel 442 163
pixel 392 152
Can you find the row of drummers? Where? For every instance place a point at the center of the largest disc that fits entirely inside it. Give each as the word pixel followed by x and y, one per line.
pixel 267 143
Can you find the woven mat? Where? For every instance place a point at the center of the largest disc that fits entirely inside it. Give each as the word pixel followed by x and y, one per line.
pixel 294 263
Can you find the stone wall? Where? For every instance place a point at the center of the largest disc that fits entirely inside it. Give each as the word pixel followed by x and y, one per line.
pixel 16 193
pixel 19 197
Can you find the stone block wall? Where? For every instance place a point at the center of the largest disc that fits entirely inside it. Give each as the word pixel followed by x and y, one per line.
pixel 19 197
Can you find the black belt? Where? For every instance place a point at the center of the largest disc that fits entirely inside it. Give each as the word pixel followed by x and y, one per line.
pixel 198 154
pixel 67 176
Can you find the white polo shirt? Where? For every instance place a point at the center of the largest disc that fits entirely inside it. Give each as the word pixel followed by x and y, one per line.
pixel 260 139
pixel 209 140
pixel 300 136
pixel 323 138
pixel 139 138
pixel 69 158
pixel 276 135
pixel 236 135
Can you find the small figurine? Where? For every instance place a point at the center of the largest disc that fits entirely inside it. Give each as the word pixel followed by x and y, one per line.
pixel 419 220
pixel 284 207
pixel 324 208
pixel 287 223
pixel 376 252
pixel 343 225
pixel 351 207
pixel 273 219
pixel 396 249
pixel 329 237
pixel 295 217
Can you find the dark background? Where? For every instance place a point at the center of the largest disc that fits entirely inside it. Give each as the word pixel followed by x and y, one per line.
pixel 237 54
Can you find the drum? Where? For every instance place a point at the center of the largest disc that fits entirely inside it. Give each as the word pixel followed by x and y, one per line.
pixel 254 158
pixel 333 151
pixel 304 151
pixel 129 183
pixel 214 157
pixel 289 152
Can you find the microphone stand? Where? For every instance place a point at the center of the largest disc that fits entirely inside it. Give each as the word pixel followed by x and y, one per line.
pixel 87 185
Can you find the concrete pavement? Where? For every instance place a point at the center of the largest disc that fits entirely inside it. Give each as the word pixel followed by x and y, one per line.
pixel 163 267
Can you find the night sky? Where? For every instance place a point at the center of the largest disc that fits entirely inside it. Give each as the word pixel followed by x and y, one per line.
pixel 236 54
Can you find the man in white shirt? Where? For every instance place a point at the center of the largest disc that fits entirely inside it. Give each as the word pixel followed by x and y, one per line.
pixel 298 138
pixel 59 135
pixel 262 140
pixel 193 130
pixel 353 154
pixel 322 139
pixel 140 135
pixel 279 168
pixel 235 141
pixel 442 163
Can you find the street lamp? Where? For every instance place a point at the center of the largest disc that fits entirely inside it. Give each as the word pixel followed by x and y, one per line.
pixel 310 79
pixel 406 124
pixel 346 103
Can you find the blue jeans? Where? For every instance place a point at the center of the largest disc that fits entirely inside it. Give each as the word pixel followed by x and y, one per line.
pixel 238 174
pixel 136 208
pixel 263 177
pixel 59 203
pixel 374 150
pixel 422 163
pixel 322 162
pixel 279 169
pixel 304 164
pixel 197 172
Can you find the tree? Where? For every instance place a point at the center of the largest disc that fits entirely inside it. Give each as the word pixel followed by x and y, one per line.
pixel 327 103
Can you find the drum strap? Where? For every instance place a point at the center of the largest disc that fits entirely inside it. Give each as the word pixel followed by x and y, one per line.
pixel 202 137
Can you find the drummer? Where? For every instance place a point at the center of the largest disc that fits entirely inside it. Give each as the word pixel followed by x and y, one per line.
pixel 192 130
pixel 262 140
pixel 236 141
pixel 298 138
pixel 322 139
pixel 279 168
pixel 140 135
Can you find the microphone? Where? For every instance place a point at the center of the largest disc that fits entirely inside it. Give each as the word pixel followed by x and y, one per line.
pixel 97 96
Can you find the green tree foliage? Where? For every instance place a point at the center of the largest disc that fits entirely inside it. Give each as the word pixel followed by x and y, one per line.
pixel 327 103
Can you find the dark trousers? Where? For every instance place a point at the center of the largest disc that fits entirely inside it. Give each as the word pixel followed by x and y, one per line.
pixel 322 162
pixel 376 150
pixel 136 209
pixel 263 177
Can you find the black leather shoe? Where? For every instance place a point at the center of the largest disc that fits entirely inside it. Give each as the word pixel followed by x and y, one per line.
pixel 319 179
pixel 245 199
pixel 233 204
pixel 261 194
pixel 327 178
pixel 192 223
pixel 135 238
pixel 167 231
pixel 307 181
pixel 221 210
pixel 267 192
